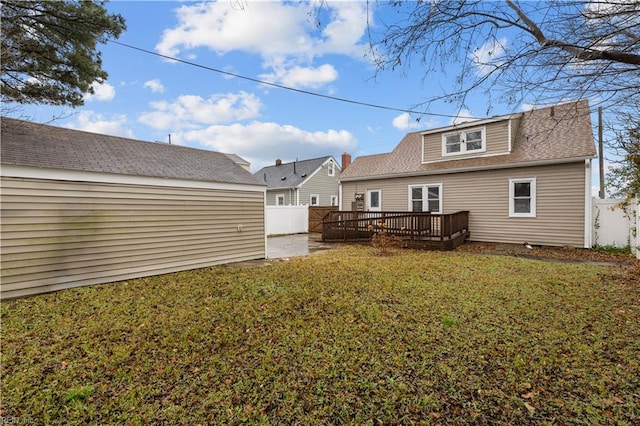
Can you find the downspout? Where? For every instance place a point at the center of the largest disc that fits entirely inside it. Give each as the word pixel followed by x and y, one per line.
pixel 588 206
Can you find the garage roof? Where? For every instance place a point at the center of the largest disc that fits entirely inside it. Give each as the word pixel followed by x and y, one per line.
pixel 38 145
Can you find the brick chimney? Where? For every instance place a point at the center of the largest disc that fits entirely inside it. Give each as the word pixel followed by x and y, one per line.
pixel 346 160
pixel 278 162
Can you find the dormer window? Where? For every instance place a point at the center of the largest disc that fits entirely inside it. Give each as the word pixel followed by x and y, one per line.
pixel 464 142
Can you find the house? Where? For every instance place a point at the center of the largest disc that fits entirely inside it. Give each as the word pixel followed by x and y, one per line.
pixel 312 182
pixel 80 208
pixel 523 177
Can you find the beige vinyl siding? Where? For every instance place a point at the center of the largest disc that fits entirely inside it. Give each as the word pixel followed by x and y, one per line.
pixel 322 184
pixel 560 202
pixel 62 234
pixel 497 142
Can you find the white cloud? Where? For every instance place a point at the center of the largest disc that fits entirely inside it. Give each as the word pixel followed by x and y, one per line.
pixel 489 56
pixel 155 85
pixel 189 111
pixel 91 121
pixel 303 76
pixel 404 122
pixel 463 116
pixel 279 32
pixel 102 92
pixel 266 28
pixel 262 142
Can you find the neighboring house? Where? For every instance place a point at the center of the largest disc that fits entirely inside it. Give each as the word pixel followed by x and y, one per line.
pixel 308 182
pixel 523 177
pixel 81 208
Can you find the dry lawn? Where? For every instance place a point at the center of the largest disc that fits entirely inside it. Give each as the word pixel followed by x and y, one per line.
pixel 341 337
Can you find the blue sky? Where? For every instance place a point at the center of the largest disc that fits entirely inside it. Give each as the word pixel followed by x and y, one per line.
pixel 148 97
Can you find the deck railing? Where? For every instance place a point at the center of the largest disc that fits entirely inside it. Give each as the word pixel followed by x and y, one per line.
pixel 356 225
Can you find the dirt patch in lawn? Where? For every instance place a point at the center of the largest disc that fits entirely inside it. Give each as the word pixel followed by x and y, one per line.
pixel 560 254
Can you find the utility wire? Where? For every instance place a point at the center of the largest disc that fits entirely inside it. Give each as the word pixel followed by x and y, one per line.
pixel 280 86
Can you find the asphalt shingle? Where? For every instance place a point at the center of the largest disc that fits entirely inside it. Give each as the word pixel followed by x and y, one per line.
pixel 38 145
pixel 557 133
pixel 290 175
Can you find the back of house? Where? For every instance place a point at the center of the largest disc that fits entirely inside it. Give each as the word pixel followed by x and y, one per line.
pixel 523 177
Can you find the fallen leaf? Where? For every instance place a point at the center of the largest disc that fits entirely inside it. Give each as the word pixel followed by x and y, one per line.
pixel 529 395
pixel 530 408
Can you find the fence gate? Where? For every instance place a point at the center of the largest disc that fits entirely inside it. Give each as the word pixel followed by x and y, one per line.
pixel 316 213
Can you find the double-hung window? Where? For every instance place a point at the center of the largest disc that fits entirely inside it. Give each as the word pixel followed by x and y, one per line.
pixel 425 198
pixel 314 199
pixel 464 142
pixel 280 199
pixel 331 171
pixel 522 197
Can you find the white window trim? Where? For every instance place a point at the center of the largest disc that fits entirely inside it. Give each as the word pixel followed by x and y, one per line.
pixel 379 208
pixel 317 199
pixel 463 145
pixel 512 212
pixel 331 168
pixel 278 197
pixel 425 201
pixel 334 200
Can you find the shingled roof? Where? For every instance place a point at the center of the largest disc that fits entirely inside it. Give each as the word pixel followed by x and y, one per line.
pixel 547 135
pixel 289 175
pixel 38 145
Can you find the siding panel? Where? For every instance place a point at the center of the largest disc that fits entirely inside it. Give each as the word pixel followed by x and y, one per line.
pixel 322 184
pixel 58 234
pixel 497 140
pixel 560 202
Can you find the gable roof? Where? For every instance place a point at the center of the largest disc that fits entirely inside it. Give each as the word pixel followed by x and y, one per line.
pixel 560 133
pixel 291 175
pixel 38 145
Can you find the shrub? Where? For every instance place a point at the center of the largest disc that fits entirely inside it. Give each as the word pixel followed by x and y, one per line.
pixel 382 240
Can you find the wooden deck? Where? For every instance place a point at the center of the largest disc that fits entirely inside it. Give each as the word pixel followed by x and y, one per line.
pixel 415 229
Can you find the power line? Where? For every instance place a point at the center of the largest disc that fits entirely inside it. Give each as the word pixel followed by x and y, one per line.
pixel 280 86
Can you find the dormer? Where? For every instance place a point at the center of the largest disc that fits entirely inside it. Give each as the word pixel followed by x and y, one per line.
pixel 479 138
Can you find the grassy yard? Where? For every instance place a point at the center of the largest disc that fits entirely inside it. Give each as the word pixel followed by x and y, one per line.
pixel 341 337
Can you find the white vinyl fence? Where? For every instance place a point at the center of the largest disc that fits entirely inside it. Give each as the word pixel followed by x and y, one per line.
pixel 615 225
pixel 286 220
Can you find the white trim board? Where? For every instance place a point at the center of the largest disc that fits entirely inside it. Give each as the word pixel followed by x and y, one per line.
pixel 9 170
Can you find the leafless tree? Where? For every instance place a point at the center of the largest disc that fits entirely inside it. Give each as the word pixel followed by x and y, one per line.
pixel 518 51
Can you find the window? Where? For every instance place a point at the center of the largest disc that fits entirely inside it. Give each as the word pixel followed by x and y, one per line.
pixel 522 197
pixel 331 169
pixel 425 198
pixel 334 200
pixel 315 200
pixel 280 200
pixel 374 200
pixel 462 142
